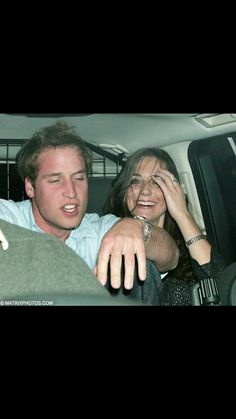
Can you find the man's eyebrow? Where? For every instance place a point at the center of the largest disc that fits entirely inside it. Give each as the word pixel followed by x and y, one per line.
pixel 60 173
pixel 78 172
pixel 52 174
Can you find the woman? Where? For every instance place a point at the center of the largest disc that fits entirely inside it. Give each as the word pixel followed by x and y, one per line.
pixel 148 186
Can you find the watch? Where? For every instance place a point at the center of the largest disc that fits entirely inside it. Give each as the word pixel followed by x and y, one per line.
pixel 148 226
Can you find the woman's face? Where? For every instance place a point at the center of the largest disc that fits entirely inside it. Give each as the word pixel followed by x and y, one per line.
pixel 144 196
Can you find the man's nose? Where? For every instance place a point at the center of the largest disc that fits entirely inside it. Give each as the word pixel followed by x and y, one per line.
pixel 70 189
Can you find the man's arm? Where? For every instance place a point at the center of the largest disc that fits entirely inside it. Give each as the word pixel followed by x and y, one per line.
pixel 162 249
pixel 125 241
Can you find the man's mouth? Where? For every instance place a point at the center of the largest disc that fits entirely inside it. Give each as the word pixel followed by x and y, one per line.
pixel 70 208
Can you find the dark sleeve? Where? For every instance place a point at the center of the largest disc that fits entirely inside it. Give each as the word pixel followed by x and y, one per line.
pixel 211 269
pixel 151 288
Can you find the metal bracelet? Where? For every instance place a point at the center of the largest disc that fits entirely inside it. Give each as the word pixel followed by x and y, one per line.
pixel 148 226
pixel 195 239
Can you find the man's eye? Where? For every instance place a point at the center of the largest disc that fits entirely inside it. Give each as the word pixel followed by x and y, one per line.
pixel 54 180
pixel 78 178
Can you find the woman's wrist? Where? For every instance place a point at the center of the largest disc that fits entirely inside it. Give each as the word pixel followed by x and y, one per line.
pixel 194 239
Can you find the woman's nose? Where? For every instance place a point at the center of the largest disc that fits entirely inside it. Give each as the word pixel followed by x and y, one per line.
pixel 147 187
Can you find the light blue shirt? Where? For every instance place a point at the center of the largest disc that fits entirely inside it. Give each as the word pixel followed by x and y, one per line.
pixel 85 240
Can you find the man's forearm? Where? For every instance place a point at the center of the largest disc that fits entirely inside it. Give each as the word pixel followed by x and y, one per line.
pixel 162 249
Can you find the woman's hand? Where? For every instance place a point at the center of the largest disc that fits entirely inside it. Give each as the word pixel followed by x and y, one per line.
pixel 176 205
pixel 173 193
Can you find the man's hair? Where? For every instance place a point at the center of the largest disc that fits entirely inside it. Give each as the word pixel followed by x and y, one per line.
pixel 59 135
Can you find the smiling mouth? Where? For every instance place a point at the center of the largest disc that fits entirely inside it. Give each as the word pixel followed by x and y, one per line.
pixel 146 203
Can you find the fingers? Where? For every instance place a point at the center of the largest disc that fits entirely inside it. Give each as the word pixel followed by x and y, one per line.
pixel 102 264
pixel 173 193
pixel 122 248
pixel 115 269
pixel 112 264
pixel 169 179
pixel 169 185
pixel 129 264
pixel 141 258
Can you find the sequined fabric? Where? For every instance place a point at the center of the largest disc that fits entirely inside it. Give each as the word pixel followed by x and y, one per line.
pixel 177 292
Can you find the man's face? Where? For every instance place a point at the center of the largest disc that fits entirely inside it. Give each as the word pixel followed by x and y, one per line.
pixel 60 194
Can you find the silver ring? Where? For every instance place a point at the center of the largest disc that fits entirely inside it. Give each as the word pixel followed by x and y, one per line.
pixel 174 180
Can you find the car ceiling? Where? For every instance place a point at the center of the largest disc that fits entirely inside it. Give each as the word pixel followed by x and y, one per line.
pixel 131 131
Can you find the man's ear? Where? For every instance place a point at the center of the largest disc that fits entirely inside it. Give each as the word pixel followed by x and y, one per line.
pixel 29 189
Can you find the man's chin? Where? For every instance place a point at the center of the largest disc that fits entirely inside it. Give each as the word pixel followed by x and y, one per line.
pixel 69 224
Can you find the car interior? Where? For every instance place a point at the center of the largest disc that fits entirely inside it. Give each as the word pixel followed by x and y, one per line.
pixel 203 147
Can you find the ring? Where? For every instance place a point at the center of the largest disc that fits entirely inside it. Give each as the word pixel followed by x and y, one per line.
pixel 174 180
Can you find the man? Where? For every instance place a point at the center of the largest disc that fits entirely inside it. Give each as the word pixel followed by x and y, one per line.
pixel 54 165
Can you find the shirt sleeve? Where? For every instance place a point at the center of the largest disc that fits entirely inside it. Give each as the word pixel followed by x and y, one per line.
pixel 8 211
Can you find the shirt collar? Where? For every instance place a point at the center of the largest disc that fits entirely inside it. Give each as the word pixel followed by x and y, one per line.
pixel 33 225
pixel 84 230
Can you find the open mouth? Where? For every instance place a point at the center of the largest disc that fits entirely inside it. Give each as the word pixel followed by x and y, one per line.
pixel 146 204
pixel 70 209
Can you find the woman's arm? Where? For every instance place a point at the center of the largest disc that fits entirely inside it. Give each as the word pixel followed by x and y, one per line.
pixel 212 269
pixel 200 250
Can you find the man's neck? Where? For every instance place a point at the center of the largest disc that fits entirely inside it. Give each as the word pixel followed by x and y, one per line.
pixel 45 227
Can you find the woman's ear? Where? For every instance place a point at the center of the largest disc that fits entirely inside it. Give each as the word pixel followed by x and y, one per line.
pixel 29 189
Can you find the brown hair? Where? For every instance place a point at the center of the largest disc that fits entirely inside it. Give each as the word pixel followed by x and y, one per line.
pixel 116 202
pixel 54 136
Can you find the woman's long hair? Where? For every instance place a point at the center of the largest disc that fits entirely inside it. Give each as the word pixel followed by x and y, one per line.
pixel 116 202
